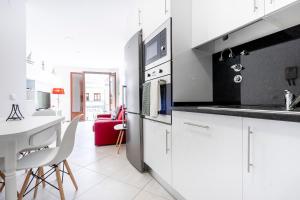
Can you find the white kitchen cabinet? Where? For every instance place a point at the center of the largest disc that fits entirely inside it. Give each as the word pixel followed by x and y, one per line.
pixel 207 156
pixel 271 160
pixel 154 13
pixel 273 5
pixel 213 18
pixel 157 148
pixel 134 18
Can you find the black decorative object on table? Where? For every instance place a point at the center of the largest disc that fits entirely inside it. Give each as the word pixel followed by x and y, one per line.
pixel 15 113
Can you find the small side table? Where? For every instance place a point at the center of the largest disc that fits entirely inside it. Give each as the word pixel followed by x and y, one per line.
pixel 121 130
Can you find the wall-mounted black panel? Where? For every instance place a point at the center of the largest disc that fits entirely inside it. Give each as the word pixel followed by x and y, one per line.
pixel 272 65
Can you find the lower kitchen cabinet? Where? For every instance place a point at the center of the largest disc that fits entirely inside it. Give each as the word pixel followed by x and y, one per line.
pixel 157 148
pixel 271 160
pixel 207 157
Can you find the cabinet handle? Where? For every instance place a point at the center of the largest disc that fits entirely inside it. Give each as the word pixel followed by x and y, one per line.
pixel 167 144
pixel 255 5
pixel 166 10
pixel 139 16
pixel 271 1
pixel 196 125
pixel 249 164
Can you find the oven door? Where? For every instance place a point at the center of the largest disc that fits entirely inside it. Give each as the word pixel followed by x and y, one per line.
pixel 164 115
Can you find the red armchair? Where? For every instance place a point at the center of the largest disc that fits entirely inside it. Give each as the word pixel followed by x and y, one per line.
pixel 104 129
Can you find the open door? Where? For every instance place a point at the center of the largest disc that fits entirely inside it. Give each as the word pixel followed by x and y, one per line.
pixel 100 93
pixel 77 94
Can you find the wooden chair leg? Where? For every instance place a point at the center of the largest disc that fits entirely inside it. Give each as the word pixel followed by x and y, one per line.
pixel 36 187
pixel 120 142
pixel 2 175
pixel 117 143
pixel 59 183
pixel 43 177
pixel 2 187
pixel 3 178
pixel 71 174
pixel 24 186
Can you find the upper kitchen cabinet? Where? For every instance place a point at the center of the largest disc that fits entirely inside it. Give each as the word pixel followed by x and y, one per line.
pixel 154 13
pixel 273 5
pixel 213 18
pixel 134 18
pixel 271 160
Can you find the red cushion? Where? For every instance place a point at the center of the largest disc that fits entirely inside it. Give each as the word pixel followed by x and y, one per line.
pixel 104 116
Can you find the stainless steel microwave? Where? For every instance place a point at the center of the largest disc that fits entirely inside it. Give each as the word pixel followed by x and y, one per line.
pixel 157 47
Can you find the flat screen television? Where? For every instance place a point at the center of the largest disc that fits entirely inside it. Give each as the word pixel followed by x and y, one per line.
pixel 42 100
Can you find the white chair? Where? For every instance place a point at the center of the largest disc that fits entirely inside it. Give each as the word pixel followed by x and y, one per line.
pixel 37 141
pixel 45 137
pixel 50 157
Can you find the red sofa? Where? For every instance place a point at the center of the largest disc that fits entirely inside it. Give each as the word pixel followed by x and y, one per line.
pixel 104 129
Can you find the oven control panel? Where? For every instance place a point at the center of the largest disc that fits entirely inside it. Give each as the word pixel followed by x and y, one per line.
pixel 158 71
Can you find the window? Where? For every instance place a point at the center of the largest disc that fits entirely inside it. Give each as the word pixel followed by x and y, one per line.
pixel 97 97
pixel 87 96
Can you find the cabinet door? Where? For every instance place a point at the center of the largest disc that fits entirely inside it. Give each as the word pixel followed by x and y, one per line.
pixel 214 18
pixel 154 13
pixel 207 156
pixel 134 18
pixel 272 161
pixel 273 5
pixel 157 148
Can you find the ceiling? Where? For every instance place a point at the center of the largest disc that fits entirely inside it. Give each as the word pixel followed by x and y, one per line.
pixel 77 33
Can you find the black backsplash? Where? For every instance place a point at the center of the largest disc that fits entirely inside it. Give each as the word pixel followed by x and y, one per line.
pixel 264 76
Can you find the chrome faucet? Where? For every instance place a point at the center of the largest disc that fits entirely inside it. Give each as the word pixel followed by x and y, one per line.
pixel 290 100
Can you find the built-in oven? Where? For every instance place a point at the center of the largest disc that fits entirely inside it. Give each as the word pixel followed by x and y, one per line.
pixel 157 47
pixel 162 75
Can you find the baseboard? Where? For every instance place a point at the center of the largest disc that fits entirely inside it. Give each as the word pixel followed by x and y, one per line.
pixel 165 185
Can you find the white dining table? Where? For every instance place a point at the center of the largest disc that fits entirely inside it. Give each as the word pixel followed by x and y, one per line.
pixel 14 137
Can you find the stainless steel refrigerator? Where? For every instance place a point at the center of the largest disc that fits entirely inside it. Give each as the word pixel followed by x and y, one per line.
pixel 133 94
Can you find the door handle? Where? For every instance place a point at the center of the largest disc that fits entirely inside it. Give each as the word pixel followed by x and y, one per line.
pixel 255 7
pixel 196 125
pixel 166 10
pixel 249 162
pixel 139 17
pixel 167 143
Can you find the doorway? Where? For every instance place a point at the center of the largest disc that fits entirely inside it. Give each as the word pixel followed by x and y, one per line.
pixel 98 95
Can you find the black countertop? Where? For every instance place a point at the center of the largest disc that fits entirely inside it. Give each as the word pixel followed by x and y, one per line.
pixel 260 112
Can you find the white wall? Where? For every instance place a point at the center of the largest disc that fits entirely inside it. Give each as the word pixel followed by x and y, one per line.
pixel 63 74
pixel 12 54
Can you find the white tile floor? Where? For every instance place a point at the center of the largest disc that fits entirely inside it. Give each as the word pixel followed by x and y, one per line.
pixel 101 174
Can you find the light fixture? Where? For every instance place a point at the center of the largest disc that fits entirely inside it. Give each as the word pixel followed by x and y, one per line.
pixel 58 91
pixel 29 58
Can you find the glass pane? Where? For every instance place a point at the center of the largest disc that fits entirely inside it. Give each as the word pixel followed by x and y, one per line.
pixel 113 91
pixel 76 90
pixel 151 51
pixel 97 92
